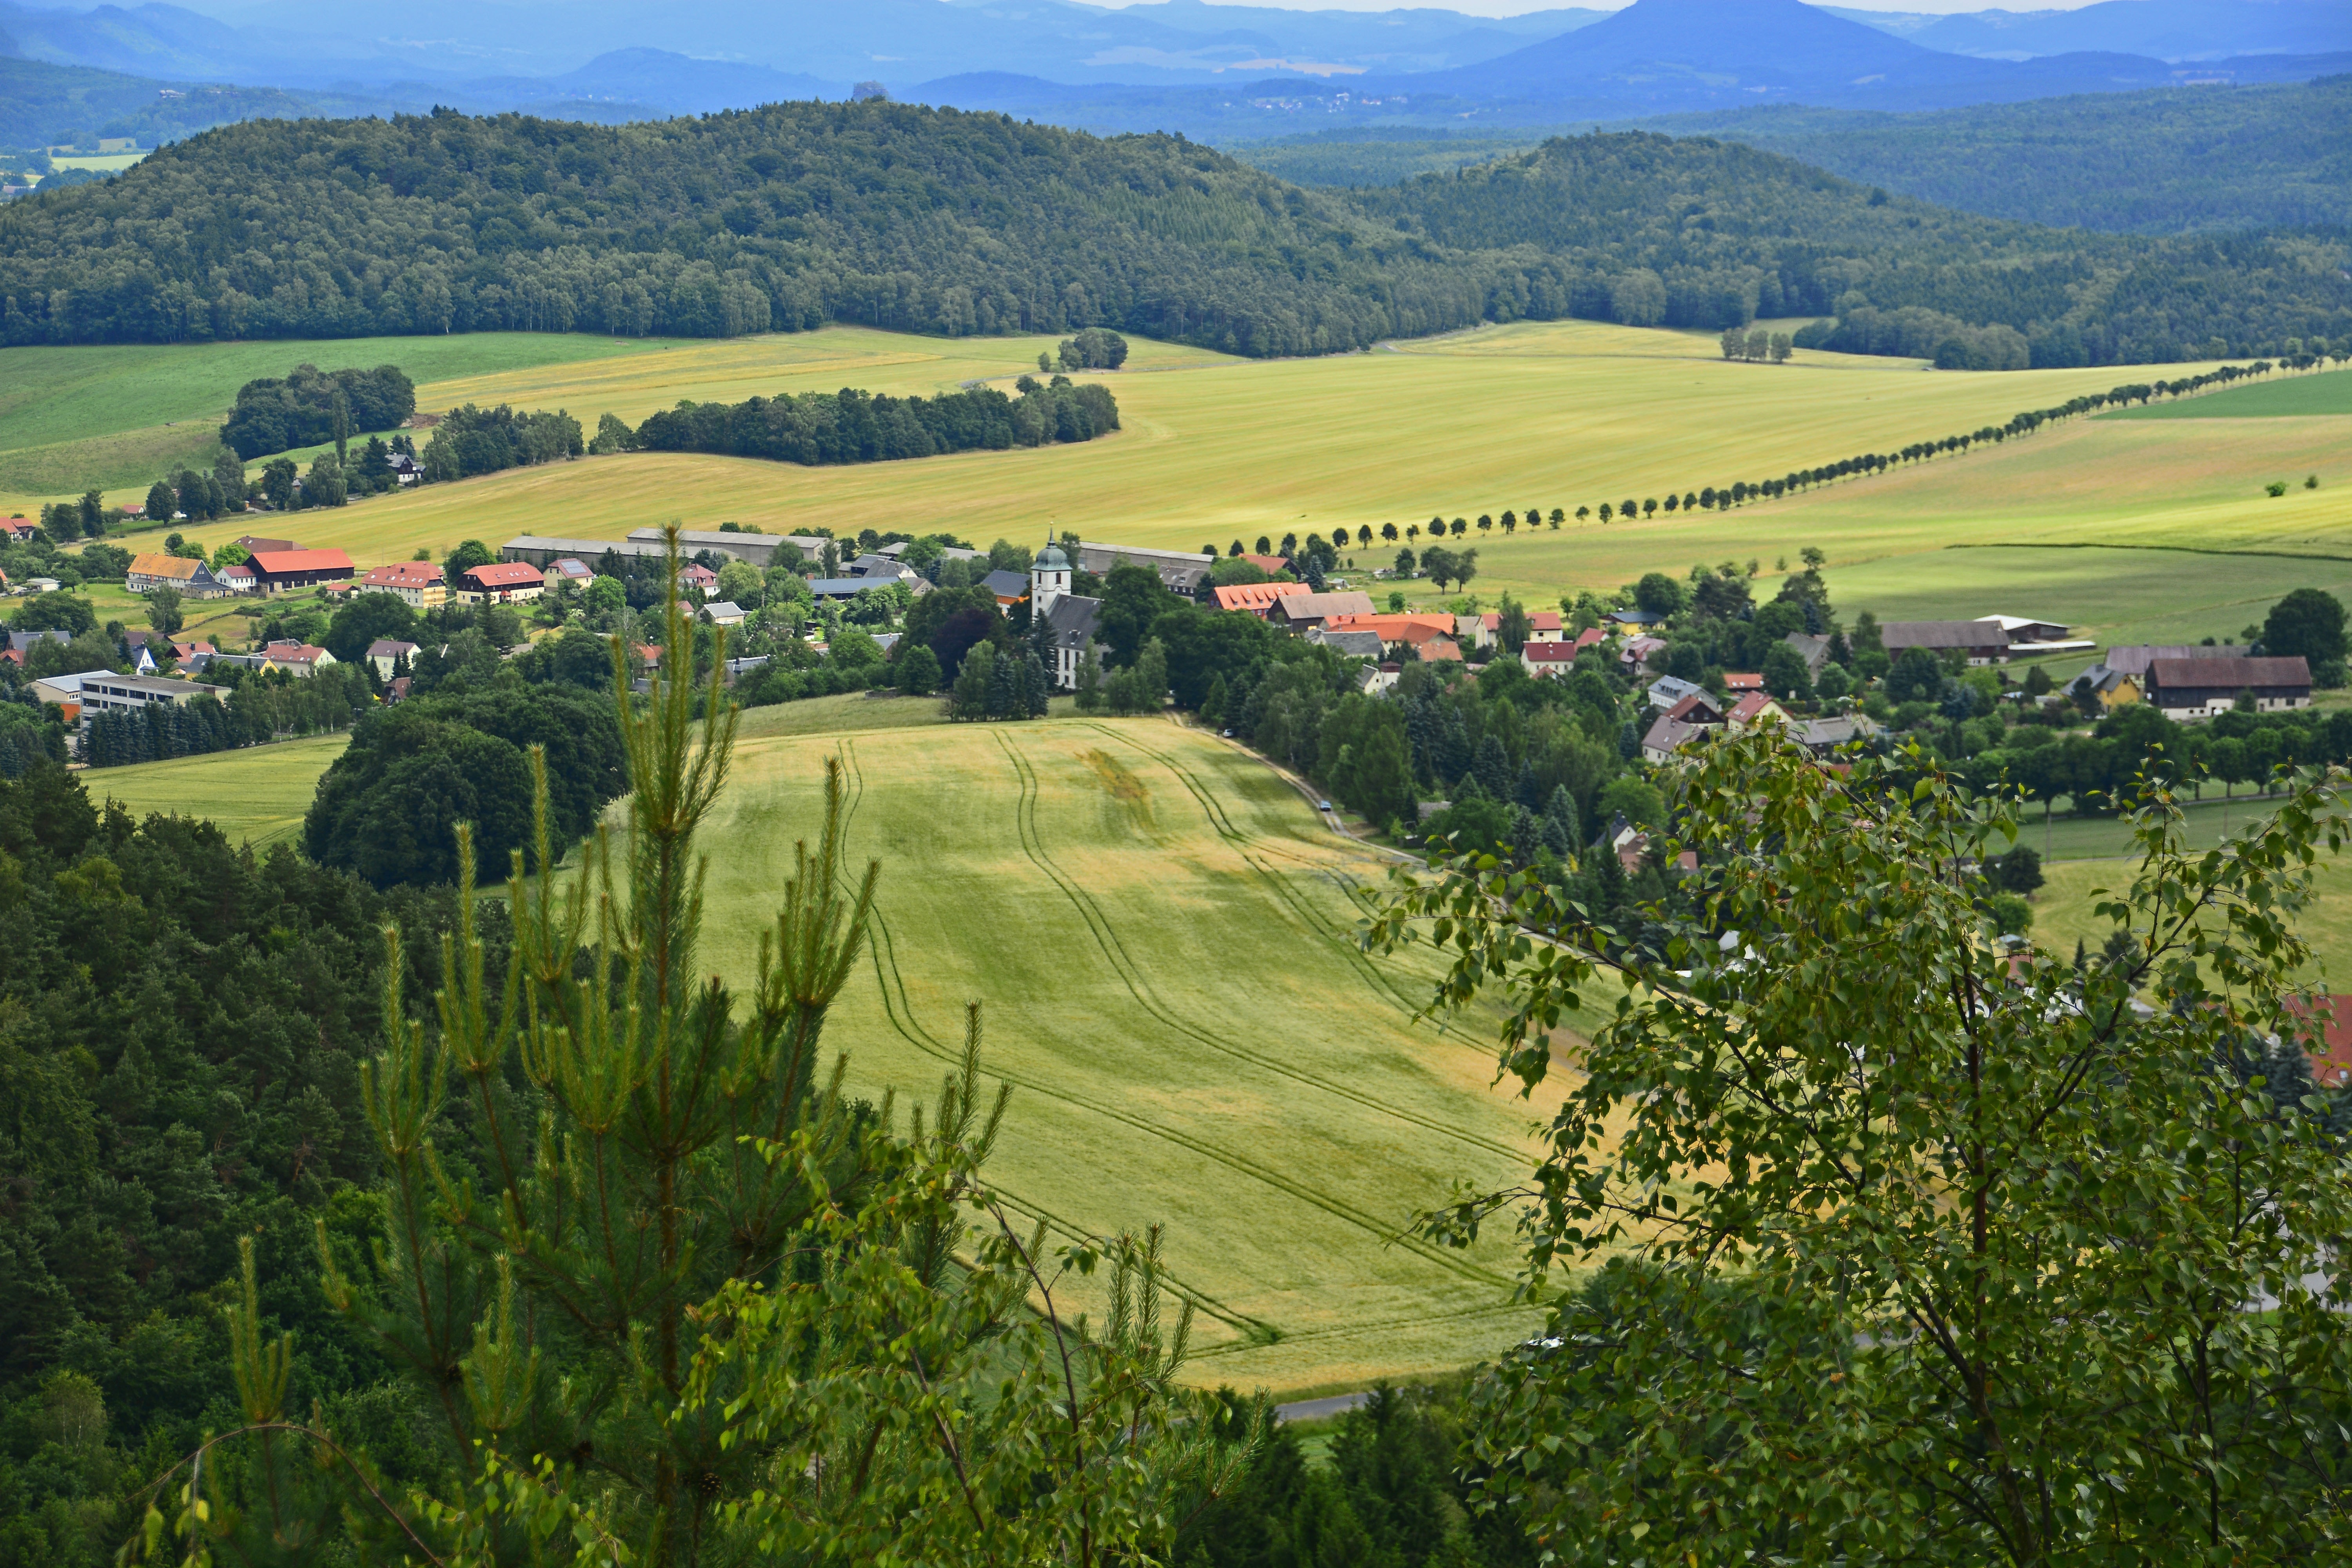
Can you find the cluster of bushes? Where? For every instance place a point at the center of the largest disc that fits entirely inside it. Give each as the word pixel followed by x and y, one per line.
pixel 1096 348
pixel 1757 344
pixel 311 406
pixel 854 427
pixel 1919 333
pixel 388 807
pixel 469 441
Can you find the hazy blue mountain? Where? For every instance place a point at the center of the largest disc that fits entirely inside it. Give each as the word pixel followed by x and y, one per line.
pixel 1668 56
pixel 898 42
pixel 2167 29
pixel 150 40
pixel 655 80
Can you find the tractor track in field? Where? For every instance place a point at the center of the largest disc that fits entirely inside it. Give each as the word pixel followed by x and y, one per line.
pixel 901 1015
pixel 1249 848
pixel 1108 940
pixel 1131 976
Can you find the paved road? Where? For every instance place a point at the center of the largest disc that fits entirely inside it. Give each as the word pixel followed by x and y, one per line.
pixel 1316 1409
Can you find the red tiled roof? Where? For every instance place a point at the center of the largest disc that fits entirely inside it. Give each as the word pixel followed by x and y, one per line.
pixel 294 653
pixel 1438 651
pixel 1550 653
pixel 504 575
pixel 403 575
pixel 1742 682
pixel 1543 620
pixel 1591 636
pixel 287 562
pixel 1749 706
pixel 1254 596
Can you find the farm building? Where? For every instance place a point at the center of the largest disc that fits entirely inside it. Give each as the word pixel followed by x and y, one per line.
pixel 2134 658
pixel 2185 688
pixel 193 579
pixel 538 550
pixel 414 583
pixel 1180 571
pixel 1984 642
pixel 1297 612
pixel 502 583
pixel 758 548
pixel 1254 597
pixel 276 571
pixel 253 546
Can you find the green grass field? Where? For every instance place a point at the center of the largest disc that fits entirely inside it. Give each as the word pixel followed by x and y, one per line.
pixel 2292 396
pixel 256 795
pixel 120 416
pixel 1160 934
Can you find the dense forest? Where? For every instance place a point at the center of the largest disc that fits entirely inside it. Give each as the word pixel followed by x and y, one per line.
pixel 942 222
pixel 2176 161
pixel 1648 229
pixel 781 217
pixel 2172 161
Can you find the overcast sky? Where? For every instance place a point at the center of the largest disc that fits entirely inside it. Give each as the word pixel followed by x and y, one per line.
pixel 1519 7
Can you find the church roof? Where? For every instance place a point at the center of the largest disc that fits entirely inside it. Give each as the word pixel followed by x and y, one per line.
pixel 1071 620
pixel 1051 559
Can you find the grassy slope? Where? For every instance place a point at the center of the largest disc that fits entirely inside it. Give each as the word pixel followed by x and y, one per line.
pixel 118 415
pixel 257 795
pixel 2285 397
pixel 1160 933
pixel 1546 414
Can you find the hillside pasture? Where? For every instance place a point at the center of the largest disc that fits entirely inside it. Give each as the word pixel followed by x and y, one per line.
pixel 256 795
pixel 118 416
pixel 2283 397
pixel 1162 936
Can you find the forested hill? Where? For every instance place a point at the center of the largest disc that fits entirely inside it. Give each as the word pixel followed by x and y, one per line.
pixel 1685 231
pixel 943 222
pixel 786 216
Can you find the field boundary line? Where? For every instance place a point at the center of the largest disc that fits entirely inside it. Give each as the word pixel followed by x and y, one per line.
pixel 1132 975
pixel 1337 1208
pixel 1242 844
pixel 911 1030
pixel 2175 549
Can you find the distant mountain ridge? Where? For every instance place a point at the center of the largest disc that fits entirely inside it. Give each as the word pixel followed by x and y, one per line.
pixel 1667 56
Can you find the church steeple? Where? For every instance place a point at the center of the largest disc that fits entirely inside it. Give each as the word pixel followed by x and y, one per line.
pixel 1049 578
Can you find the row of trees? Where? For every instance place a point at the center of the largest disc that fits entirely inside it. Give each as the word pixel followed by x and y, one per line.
pixel 1757 344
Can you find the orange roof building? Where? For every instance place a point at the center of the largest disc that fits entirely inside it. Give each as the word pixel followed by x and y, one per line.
pixel 276 570
pixel 1254 597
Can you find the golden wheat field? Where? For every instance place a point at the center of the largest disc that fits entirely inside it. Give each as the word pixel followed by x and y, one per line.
pixel 1160 932
pixel 1534 414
